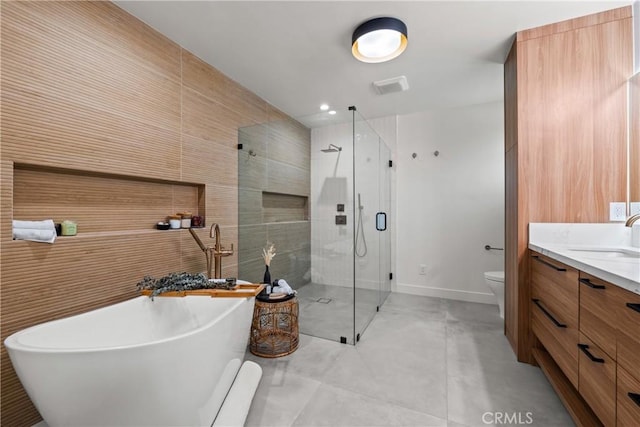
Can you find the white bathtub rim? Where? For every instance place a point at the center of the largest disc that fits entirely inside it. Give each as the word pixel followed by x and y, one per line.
pixel 12 344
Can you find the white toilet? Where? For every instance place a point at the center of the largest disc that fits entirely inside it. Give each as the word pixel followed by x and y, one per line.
pixel 495 281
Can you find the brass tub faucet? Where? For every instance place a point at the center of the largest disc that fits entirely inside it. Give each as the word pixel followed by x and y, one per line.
pixel 214 254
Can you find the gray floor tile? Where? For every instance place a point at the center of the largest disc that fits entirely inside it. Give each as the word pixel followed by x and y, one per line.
pixel 422 361
pixel 313 358
pixel 398 361
pixel 280 398
pixel 471 398
pixel 333 406
pixel 473 312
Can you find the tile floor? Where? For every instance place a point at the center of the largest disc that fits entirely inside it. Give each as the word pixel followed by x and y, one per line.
pixel 333 318
pixel 421 362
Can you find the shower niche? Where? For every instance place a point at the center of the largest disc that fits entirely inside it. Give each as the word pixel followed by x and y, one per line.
pixel 317 189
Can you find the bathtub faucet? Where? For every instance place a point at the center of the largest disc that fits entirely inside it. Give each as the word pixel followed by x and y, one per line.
pixel 214 254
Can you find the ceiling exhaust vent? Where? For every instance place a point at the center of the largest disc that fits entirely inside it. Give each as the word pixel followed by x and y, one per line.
pixel 394 84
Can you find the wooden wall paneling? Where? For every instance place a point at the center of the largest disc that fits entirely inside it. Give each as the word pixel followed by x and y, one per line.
pixel 222 205
pixel 207 119
pixel 288 179
pixel 569 146
pixel 43 282
pixel 511 188
pixel 575 23
pixel 206 80
pixel 284 207
pixel 115 126
pixel 249 206
pixel 98 203
pixel 289 143
pixel 578 137
pixel 209 161
pixel 613 63
pixel 634 138
pixel 511 98
pixel 86 111
pixel 6 202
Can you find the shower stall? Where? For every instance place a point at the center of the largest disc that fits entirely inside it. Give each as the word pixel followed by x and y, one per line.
pixel 318 188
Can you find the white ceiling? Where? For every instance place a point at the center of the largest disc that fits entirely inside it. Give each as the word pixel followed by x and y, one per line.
pixel 297 54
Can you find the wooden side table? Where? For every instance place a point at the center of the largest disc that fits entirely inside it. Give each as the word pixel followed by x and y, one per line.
pixel 274 329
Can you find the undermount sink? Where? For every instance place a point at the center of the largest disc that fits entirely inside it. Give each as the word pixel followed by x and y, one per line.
pixel 607 252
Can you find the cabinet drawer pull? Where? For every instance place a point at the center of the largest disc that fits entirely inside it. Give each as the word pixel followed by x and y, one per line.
pixel 537 258
pixel 635 397
pixel 591 285
pixel 549 315
pixel 585 350
pixel 634 307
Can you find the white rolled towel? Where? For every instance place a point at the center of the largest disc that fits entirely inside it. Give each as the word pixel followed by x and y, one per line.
pixel 36 231
pixel 283 287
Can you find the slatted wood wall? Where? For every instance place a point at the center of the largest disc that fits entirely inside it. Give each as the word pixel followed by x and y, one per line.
pixel 107 122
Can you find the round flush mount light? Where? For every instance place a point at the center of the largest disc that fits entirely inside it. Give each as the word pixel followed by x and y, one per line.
pixel 379 40
pixel 324 107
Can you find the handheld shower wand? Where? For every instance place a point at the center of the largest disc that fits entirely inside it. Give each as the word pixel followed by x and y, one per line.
pixel 360 231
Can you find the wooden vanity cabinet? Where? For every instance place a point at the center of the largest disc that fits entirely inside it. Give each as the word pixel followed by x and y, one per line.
pixel 628 331
pixel 597 380
pixel 554 311
pixel 590 328
pixel 628 399
pixel 628 346
pixel 597 312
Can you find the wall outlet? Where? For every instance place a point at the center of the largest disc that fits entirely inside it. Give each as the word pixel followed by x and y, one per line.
pixel 617 211
pixel 423 270
pixel 634 208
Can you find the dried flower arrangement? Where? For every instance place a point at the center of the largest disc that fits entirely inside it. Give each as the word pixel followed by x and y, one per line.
pixel 181 282
pixel 268 254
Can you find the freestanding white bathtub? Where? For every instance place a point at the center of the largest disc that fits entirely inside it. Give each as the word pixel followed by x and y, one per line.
pixel 163 362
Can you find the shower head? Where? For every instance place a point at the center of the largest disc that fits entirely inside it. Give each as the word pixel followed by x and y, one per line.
pixel 332 149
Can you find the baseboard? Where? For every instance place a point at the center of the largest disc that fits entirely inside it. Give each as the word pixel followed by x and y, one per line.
pixel 425 291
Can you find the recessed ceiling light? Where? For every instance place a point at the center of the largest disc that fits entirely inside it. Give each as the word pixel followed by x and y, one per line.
pixel 379 40
pixel 324 107
pixel 332 112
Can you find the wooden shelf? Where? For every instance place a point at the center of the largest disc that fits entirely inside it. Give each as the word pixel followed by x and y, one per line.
pixel 100 202
pixel 241 291
pixel 117 233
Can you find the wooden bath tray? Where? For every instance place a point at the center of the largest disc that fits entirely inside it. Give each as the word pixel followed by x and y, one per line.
pixel 240 291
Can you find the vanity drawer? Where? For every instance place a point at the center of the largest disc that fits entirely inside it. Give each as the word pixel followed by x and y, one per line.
pixel 628 335
pixel 597 383
pixel 628 399
pixel 554 311
pixel 598 312
pixel 560 342
pixel 556 286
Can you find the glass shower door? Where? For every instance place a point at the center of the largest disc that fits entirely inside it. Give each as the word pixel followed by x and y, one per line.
pixel 371 254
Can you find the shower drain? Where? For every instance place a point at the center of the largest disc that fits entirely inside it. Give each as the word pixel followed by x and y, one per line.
pixel 324 300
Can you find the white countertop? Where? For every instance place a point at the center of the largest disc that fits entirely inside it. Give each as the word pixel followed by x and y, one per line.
pixel 564 242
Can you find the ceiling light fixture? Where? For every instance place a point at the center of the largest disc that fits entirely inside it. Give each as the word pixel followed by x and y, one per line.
pixel 332 112
pixel 379 40
pixel 324 107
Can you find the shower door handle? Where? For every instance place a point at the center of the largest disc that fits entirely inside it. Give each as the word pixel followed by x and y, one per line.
pixel 381 221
